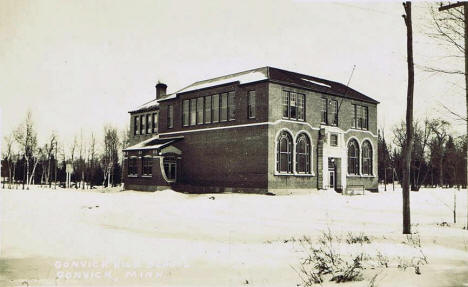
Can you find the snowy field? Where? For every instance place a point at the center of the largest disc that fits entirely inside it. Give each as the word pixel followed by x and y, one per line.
pixel 69 237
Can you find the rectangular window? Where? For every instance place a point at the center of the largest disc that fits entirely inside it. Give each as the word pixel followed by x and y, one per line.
pixel 148 123
pixel 136 125
pixel 207 109
pixel 353 124
pixel 224 105
pixel 170 116
pixel 251 105
pixel 132 166
pixel 232 106
pixel 300 107
pixel 200 110
pixel 324 111
pixel 142 124
pixel 186 112
pixel 334 140
pixel 285 103
pixel 215 108
pixel 147 166
pixel 193 112
pixel 155 122
pixel 361 117
pixel 365 118
pixel 293 105
pixel 334 112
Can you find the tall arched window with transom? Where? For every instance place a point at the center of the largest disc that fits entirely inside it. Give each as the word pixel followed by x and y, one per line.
pixel 353 157
pixel 284 153
pixel 366 158
pixel 303 154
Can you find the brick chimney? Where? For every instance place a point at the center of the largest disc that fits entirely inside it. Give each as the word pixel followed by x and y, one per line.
pixel 160 90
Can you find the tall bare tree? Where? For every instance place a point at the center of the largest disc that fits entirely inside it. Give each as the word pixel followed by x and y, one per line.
pixel 110 156
pixel 409 120
pixel 26 137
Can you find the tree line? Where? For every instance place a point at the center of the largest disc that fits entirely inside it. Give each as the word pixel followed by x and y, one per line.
pixel 94 162
pixel 437 157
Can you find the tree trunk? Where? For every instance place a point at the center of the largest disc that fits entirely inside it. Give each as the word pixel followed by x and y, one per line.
pixel 409 122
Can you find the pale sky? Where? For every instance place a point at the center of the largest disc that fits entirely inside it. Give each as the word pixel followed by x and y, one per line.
pixel 78 65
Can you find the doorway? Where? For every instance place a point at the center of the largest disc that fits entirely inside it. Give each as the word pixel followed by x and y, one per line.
pixel 332 179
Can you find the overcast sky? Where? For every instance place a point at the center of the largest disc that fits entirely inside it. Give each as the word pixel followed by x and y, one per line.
pixel 78 65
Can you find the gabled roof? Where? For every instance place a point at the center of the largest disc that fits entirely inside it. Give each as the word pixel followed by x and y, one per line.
pixel 272 74
pixel 153 143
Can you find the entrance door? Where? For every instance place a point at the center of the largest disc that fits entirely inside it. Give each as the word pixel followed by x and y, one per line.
pixel 332 179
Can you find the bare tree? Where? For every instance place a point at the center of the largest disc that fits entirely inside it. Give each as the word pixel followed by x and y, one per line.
pixel 409 121
pixel 26 137
pixel 49 149
pixel 92 159
pixel 10 158
pixel 440 129
pixel 110 156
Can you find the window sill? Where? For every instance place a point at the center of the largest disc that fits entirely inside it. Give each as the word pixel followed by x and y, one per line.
pixel 360 176
pixel 147 176
pixel 132 175
pixel 284 174
pixel 304 174
pixel 295 174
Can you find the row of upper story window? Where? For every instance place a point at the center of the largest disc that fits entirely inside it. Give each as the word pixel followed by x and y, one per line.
pixel 145 124
pixel 222 108
pixel 214 108
pixel 294 109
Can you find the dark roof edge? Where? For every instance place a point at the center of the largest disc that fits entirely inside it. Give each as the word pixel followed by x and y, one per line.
pixel 211 87
pixel 152 108
pixel 371 101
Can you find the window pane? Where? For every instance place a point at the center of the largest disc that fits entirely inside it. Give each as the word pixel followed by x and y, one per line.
pixel 215 108
pixel 284 144
pixel 200 110
pixel 136 126
pixel 142 124
pixel 300 106
pixel 359 116
pixel 293 105
pixel 148 123
pixel 207 109
pixel 334 112
pixel 155 122
pixel 285 102
pixel 193 112
pixel 324 111
pixel 224 107
pixel 232 105
pixel 186 112
pixel 170 116
pixel 251 105
pixel 147 165
pixel 353 124
pixel 365 118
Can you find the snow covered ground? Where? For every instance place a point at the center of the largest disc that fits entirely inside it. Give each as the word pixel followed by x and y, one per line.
pixel 72 237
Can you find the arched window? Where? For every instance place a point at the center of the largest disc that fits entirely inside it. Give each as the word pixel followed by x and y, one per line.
pixel 366 158
pixel 284 153
pixel 353 157
pixel 303 154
